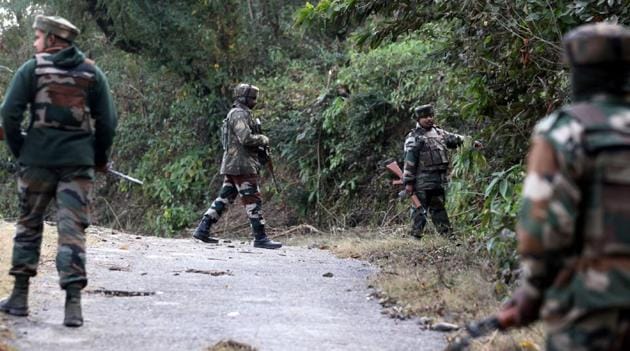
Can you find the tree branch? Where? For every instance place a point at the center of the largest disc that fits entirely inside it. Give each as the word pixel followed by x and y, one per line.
pixel 106 24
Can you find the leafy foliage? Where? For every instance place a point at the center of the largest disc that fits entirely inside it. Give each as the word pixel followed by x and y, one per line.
pixel 501 68
pixel 335 109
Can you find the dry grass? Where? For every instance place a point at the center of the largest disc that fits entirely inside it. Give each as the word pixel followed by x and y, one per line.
pixel 446 281
pixel 6 245
pixel 7 230
pixel 49 247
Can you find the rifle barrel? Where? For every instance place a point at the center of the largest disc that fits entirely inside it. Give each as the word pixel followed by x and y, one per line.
pixel 124 176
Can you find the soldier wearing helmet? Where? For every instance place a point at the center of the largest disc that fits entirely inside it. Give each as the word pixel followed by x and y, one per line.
pixel 241 139
pixel 574 224
pixel 71 129
pixel 425 170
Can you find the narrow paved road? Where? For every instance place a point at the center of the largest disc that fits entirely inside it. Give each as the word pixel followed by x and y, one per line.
pixel 147 293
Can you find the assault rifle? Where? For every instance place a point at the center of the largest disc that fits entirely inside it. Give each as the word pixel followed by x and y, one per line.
pixel 124 176
pixel 264 155
pixel 12 168
pixel 394 168
pixel 504 320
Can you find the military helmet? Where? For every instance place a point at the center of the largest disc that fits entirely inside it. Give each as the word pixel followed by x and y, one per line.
pixel 598 43
pixel 423 111
pixel 56 25
pixel 245 91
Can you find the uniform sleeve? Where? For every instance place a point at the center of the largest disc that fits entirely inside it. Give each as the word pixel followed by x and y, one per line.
pixel 452 140
pixel 551 199
pixel 17 98
pixel 411 159
pixel 243 133
pixel 105 119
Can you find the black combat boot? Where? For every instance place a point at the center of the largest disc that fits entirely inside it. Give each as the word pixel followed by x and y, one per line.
pixel 261 240
pixel 73 315
pixel 17 303
pixel 203 231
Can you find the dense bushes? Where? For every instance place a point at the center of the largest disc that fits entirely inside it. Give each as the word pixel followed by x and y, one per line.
pixel 336 98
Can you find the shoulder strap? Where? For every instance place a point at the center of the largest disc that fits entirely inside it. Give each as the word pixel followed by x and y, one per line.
pixel 600 132
pixel 587 114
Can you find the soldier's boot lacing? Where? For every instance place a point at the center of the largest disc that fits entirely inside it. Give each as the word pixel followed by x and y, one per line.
pixel 203 231
pixel 17 303
pixel 261 240
pixel 73 314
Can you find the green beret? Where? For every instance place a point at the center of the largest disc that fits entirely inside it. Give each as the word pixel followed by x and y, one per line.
pixel 56 25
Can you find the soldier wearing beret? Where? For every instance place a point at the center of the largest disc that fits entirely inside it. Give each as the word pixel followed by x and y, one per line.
pixel 71 128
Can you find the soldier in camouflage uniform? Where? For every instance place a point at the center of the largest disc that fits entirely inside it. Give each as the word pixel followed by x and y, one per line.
pixel 425 170
pixel 72 122
pixel 241 140
pixel 574 225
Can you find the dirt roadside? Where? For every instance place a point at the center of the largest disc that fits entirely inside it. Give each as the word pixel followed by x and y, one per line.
pixel 148 293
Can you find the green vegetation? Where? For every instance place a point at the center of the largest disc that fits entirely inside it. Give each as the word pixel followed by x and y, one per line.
pixel 338 79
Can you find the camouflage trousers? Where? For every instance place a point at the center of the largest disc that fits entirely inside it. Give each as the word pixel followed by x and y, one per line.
pixel 605 330
pixel 432 201
pixel 71 187
pixel 247 187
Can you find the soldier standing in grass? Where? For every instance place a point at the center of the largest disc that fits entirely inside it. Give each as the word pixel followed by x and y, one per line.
pixel 574 225
pixel 425 170
pixel 240 168
pixel 71 129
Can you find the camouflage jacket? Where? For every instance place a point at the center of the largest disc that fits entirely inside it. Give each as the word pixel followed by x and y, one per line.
pixel 574 224
pixel 72 116
pixel 240 143
pixel 426 156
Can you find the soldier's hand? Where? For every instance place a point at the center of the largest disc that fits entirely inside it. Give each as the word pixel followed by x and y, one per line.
pixel 264 140
pixel 102 167
pixel 520 310
pixel 409 189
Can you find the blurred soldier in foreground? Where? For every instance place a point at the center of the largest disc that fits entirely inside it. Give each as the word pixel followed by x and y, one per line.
pixel 425 170
pixel 71 128
pixel 574 226
pixel 240 167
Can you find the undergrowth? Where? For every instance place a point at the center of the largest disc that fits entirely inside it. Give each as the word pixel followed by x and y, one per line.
pixel 436 279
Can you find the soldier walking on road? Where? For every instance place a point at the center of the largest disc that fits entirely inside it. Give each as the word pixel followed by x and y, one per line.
pixel 574 224
pixel 240 168
pixel 71 129
pixel 425 170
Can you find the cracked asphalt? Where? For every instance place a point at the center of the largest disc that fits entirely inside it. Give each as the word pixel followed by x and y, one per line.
pixel 149 293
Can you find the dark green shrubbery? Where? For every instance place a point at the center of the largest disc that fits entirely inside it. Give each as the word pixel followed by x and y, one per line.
pixel 336 99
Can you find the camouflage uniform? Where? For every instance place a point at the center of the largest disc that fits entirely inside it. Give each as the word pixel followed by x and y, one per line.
pixel 240 166
pixel 71 128
pixel 574 225
pixel 426 166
